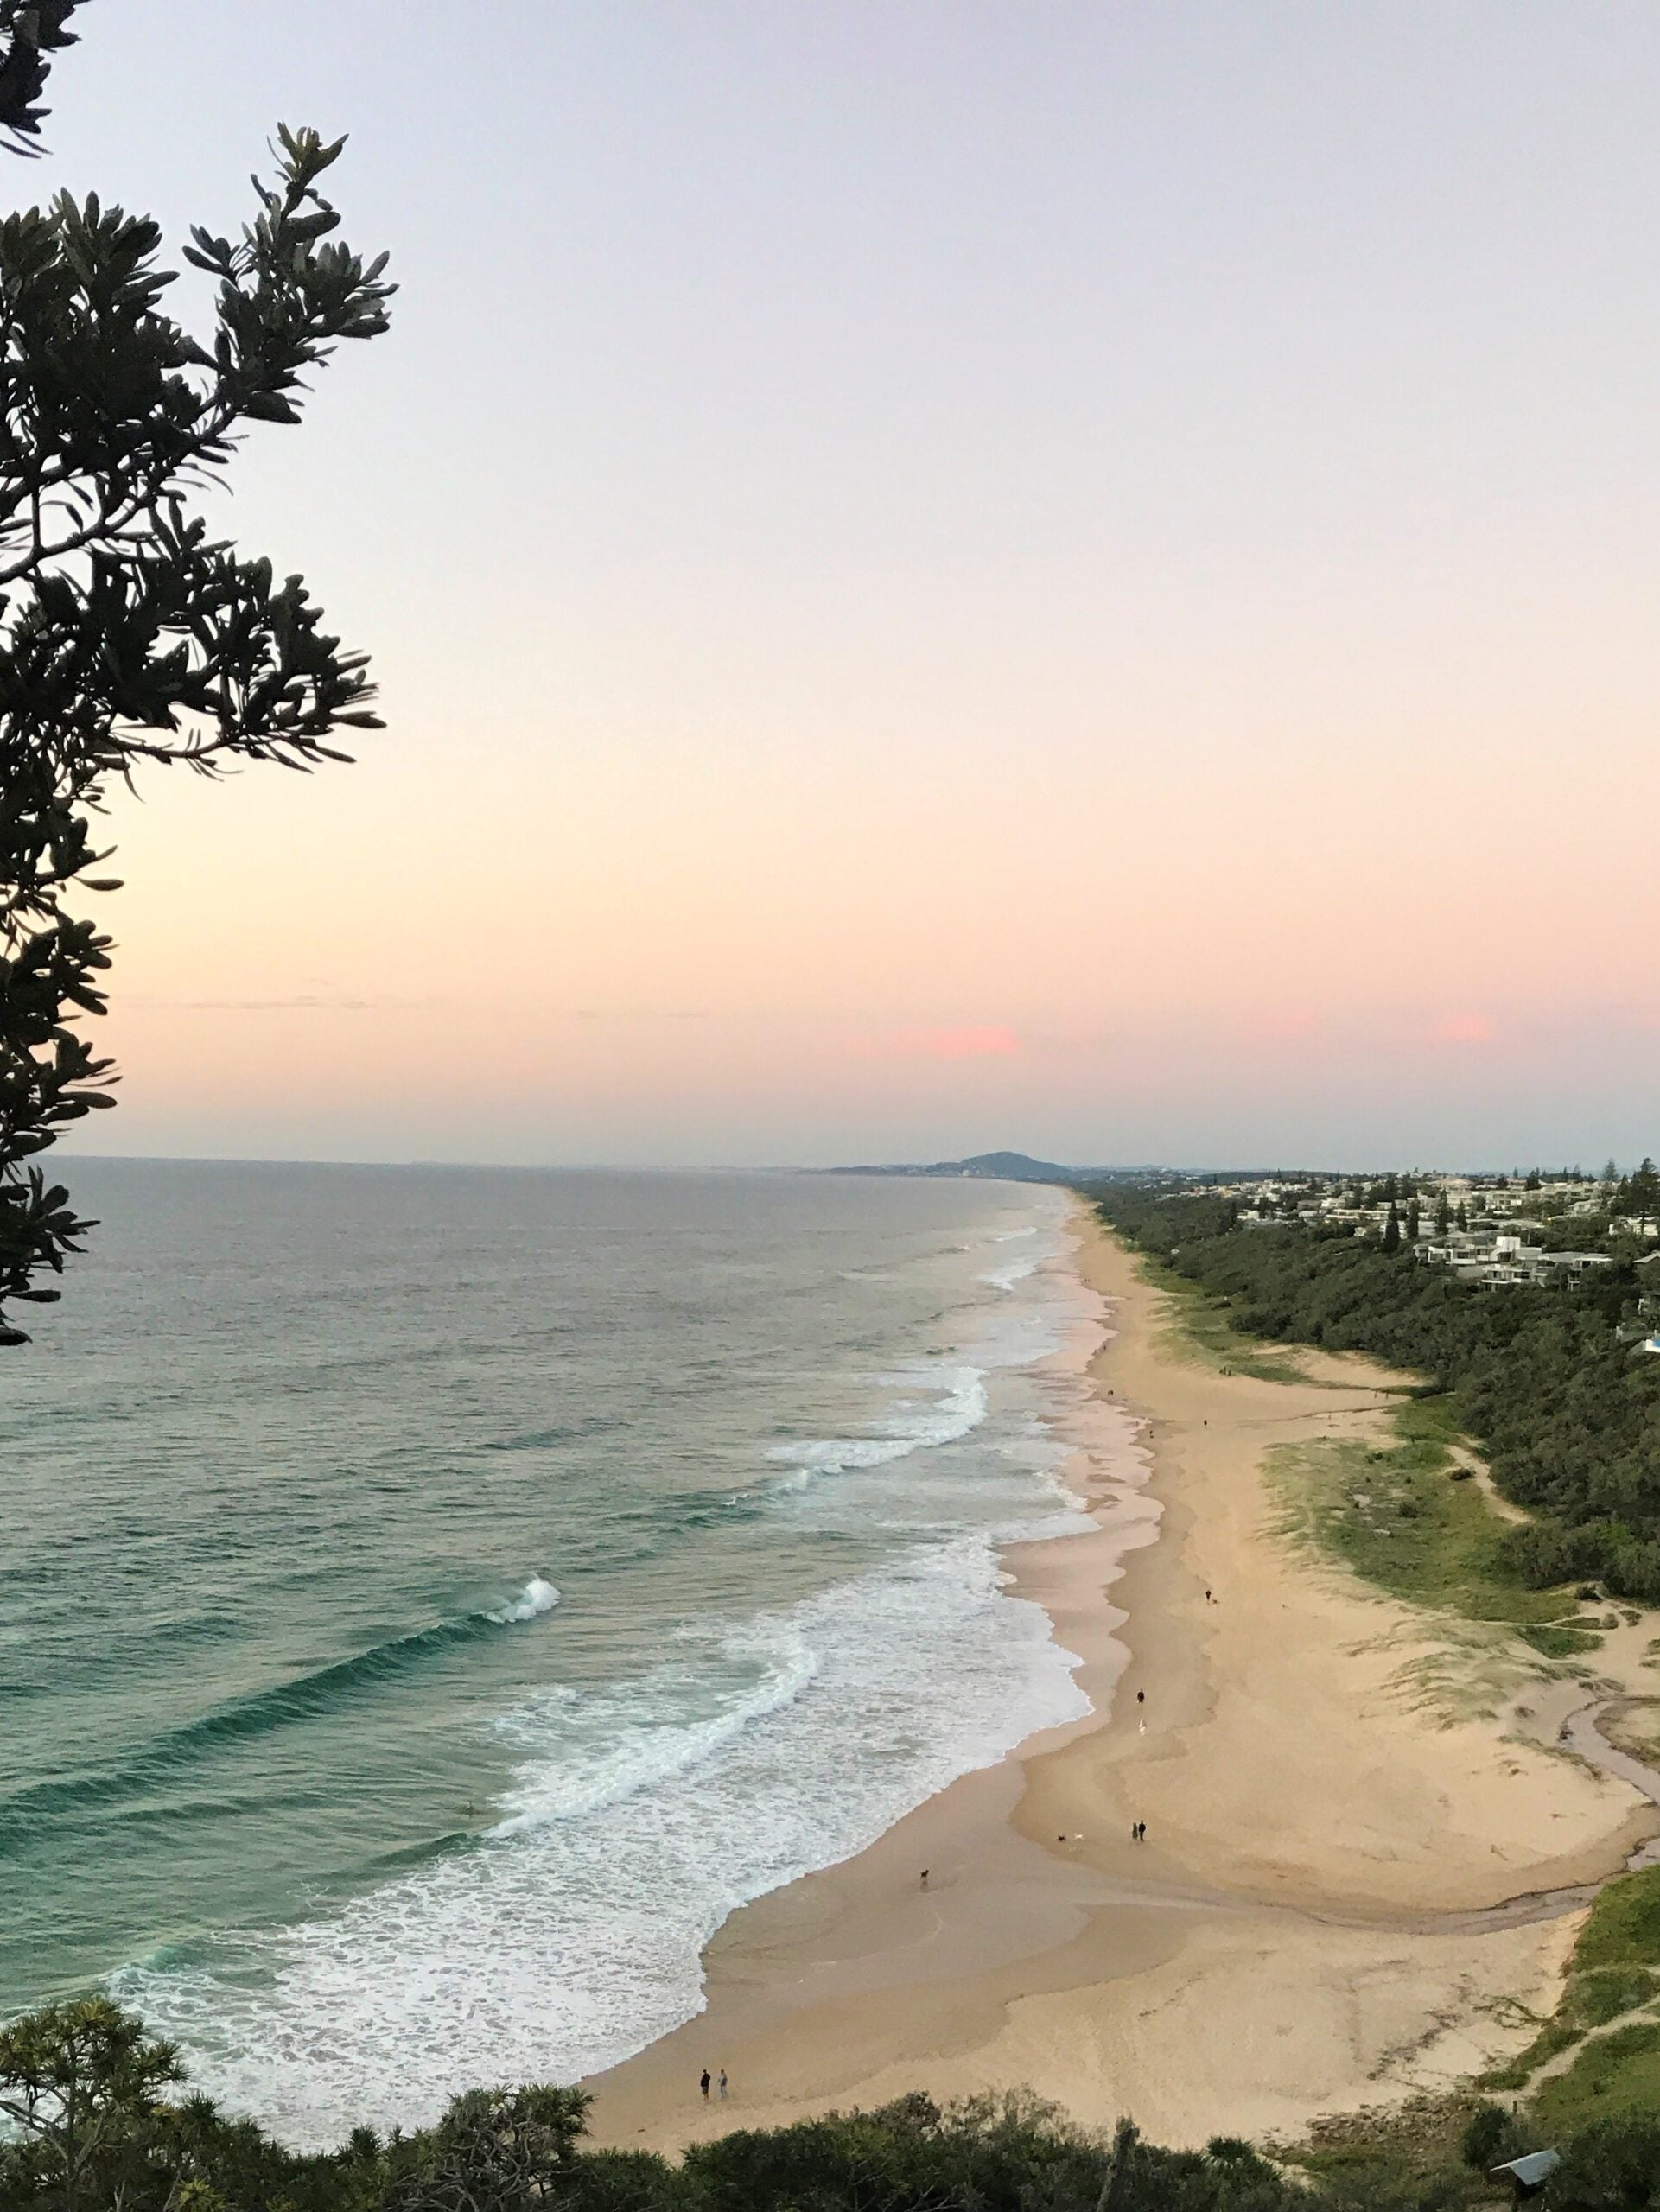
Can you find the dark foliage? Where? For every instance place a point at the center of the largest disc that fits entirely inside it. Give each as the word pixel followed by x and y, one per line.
pixel 110 2127
pixel 31 31
pixel 128 633
pixel 494 2150
pixel 992 2154
pixel 1568 1415
pixel 1611 2166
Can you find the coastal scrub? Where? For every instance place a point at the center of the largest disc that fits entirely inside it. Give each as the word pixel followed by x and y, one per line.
pixel 1395 1510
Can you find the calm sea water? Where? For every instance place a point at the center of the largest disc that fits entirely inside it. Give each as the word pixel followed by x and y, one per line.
pixel 431 1601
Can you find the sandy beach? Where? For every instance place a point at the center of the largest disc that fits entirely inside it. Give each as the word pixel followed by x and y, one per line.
pixel 1339 1899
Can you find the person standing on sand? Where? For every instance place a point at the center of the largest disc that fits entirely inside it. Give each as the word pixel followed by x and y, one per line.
pixel 723 2083
pixel 703 2083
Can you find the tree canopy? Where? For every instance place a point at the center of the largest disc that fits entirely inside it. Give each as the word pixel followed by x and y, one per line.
pixel 130 634
pixel 143 2142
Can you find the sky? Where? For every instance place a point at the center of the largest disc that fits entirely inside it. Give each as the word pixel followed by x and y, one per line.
pixel 1080 577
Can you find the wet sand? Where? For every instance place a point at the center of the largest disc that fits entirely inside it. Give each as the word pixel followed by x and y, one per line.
pixel 1337 1901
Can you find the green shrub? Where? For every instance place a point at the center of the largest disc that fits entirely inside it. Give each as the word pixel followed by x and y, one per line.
pixel 1491 2135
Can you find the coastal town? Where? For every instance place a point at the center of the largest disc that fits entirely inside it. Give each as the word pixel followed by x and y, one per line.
pixel 1497 1231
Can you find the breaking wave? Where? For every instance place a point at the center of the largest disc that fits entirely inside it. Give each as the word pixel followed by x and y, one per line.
pixel 640 1814
pixel 537 1596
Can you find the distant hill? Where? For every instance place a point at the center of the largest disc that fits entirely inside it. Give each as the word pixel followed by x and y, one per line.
pixel 993 1167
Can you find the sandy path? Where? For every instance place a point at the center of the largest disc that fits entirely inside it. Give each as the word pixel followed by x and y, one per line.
pixel 1339 1900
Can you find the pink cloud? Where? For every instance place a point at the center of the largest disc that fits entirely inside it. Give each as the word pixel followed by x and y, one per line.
pixel 993 1043
pixel 1463 1029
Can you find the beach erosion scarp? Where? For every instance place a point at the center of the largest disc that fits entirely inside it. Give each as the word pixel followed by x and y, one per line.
pixel 1347 1888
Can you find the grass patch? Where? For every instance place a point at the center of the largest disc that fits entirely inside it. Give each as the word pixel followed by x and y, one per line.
pixel 1557 2035
pixel 1427 1418
pixel 1624 1928
pixel 1201 1328
pixel 1564 1642
pixel 1589 2000
pixel 1615 1969
pixel 1616 2077
pixel 1603 1996
pixel 1395 1516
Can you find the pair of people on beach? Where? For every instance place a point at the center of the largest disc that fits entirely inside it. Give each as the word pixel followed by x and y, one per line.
pixel 1138 1831
pixel 703 2080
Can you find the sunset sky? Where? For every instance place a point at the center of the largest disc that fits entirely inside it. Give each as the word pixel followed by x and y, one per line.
pixel 1077 576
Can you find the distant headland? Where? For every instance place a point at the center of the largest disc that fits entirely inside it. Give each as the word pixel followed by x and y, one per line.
pixel 999 1167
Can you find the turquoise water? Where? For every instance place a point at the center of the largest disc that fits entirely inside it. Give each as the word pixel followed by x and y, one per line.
pixel 431 1601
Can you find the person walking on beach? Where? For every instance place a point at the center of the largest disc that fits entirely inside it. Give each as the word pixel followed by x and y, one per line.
pixel 924 1877
pixel 722 2084
pixel 703 2083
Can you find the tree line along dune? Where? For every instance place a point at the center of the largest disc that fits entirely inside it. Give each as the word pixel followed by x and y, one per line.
pixel 101 2119
pixel 1545 1380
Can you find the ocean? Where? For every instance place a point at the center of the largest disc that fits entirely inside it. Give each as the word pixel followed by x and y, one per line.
pixel 431 1600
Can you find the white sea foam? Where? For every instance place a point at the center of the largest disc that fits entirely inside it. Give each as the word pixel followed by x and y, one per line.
pixel 1005 1278
pixel 537 1596
pixel 589 1751
pixel 957 1405
pixel 641 1812
pixel 642 1815
pixel 1020 1269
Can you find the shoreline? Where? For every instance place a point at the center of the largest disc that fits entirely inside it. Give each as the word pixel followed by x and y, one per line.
pixel 1336 1899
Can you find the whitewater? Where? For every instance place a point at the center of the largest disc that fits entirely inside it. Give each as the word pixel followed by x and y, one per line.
pixel 500 1580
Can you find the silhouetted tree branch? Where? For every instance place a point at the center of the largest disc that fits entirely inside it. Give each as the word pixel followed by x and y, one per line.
pixel 30 31
pixel 128 633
